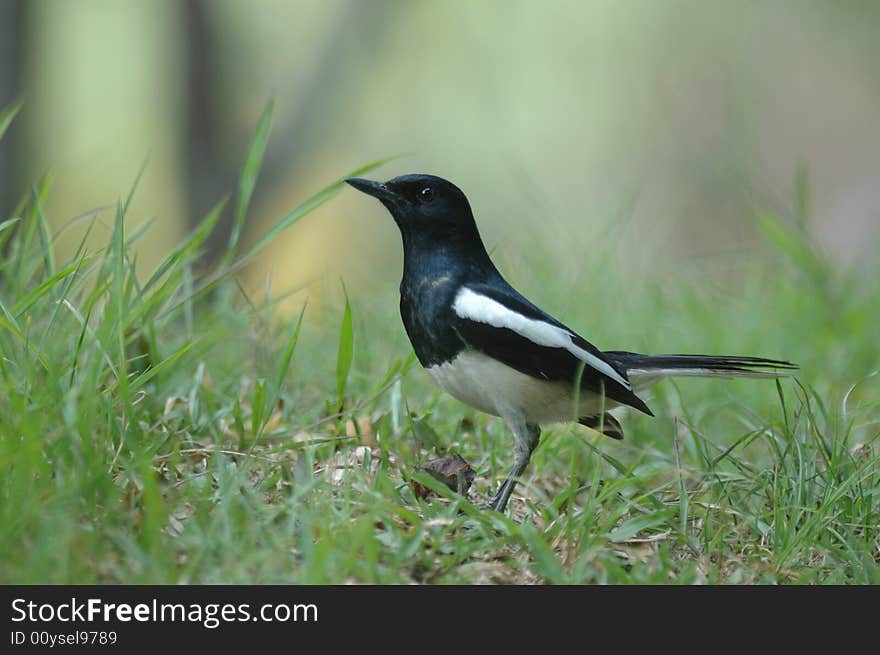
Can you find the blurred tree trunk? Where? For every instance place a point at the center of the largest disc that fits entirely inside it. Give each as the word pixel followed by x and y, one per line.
pixel 209 177
pixel 12 28
pixel 362 28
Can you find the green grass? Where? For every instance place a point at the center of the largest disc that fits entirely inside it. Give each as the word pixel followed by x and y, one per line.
pixel 174 430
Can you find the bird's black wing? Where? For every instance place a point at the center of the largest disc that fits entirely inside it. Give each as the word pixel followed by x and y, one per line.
pixel 500 322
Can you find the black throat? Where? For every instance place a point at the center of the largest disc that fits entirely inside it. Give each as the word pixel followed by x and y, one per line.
pixel 435 266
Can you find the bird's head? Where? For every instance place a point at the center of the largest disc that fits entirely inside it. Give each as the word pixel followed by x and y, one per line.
pixel 423 206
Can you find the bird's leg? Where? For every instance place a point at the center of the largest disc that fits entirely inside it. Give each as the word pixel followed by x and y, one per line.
pixel 526 438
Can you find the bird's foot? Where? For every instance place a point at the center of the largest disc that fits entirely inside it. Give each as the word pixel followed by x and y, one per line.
pixel 499 502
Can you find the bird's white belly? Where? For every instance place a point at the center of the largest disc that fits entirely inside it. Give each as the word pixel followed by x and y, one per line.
pixel 495 388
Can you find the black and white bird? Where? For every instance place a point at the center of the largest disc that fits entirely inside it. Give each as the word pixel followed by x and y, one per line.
pixel 492 349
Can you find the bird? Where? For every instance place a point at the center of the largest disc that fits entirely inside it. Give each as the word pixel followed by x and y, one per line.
pixel 489 347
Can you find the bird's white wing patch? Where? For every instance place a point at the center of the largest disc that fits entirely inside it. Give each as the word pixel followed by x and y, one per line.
pixel 482 309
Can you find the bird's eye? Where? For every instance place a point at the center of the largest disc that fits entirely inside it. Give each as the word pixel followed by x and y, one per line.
pixel 426 194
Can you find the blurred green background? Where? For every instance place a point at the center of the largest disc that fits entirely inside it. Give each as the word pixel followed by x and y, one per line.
pixel 663 176
pixel 664 125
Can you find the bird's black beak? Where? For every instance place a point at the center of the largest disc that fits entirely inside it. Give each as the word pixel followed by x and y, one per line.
pixel 375 189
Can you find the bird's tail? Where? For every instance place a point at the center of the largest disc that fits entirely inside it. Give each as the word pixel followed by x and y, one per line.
pixel 644 370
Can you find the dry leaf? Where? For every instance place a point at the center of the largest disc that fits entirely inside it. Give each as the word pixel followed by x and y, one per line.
pixel 453 471
pixel 363 429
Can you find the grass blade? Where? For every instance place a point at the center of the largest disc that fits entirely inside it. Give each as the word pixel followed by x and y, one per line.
pixel 190 245
pixel 248 179
pixel 258 407
pixel 20 252
pixel 309 205
pixel 45 236
pixel 632 527
pixel 301 210
pixel 683 498
pixel 345 352
pixel 4 227
pixel 35 294
pixel 284 365
pixel 7 116
pixel 165 364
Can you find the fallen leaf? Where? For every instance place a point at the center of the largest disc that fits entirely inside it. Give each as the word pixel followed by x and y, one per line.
pixel 453 471
pixel 363 429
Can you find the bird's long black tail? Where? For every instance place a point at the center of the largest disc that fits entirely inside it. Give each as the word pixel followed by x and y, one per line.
pixel 644 370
